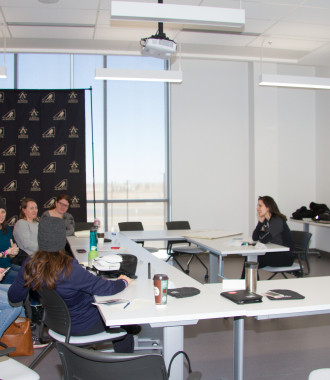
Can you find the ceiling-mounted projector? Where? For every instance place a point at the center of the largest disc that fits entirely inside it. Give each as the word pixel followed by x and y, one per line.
pixel 158 47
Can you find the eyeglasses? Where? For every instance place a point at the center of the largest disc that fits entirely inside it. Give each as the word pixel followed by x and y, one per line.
pixel 63 204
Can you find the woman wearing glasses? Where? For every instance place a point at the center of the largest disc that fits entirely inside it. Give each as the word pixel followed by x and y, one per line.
pixel 59 210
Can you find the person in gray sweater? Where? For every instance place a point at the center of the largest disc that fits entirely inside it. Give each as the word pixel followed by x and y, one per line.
pixel 26 228
pixel 59 210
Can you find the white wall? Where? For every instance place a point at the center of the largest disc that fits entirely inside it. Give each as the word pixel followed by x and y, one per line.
pixel 233 140
pixel 210 163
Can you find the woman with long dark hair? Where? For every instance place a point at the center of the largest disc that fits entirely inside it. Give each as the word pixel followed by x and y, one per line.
pixel 272 228
pixel 50 267
pixel 8 249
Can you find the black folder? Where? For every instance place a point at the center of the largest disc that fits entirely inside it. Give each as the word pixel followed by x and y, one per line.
pixel 242 296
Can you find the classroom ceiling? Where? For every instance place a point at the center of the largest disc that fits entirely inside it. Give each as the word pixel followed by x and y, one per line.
pixel 289 31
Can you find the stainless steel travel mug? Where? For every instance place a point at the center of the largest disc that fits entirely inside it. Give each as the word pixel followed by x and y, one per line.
pixel 251 275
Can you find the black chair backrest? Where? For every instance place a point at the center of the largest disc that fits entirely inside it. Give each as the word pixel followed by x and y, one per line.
pixel 130 226
pixel 178 225
pixel 82 226
pixel 301 240
pixel 84 364
pixel 56 313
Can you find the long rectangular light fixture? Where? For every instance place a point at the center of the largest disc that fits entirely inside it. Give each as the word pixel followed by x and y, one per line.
pixel 3 72
pixel 180 14
pixel 294 81
pixel 139 75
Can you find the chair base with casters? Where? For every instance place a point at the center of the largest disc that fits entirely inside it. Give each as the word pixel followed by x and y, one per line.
pixel 193 252
pixel 320 374
pixel 11 369
pixel 57 318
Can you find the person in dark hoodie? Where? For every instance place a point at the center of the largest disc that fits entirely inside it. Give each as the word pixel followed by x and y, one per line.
pixel 50 267
pixel 272 228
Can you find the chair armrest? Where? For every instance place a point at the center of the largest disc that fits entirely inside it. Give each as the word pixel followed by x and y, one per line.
pixel 7 350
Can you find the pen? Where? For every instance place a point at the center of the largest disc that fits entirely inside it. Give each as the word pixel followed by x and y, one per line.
pixel 126 305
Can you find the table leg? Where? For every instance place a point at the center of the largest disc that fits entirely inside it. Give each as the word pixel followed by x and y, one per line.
pixel 306 227
pixel 238 348
pixel 173 342
pixel 215 262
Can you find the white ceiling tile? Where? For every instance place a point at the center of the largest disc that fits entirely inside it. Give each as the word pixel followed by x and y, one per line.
pixel 286 43
pixel 50 32
pixel 308 31
pixel 309 15
pixel 30 15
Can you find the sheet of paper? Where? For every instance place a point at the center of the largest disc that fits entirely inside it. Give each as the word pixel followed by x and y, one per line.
pixel 211 234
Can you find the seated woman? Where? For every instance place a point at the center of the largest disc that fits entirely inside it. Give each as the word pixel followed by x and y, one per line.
pixel 50 267
pixel 59 210
pixel 8 313
pixel 272 228
pixel 26 228
pixel 7 248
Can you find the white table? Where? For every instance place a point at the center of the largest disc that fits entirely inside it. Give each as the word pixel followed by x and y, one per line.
pixel 207 305
pixel 317 301
pixel 172 317
pixel 219 248
pixel 307 223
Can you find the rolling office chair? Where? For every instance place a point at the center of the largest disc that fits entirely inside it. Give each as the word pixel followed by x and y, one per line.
pixel 57 318
pixel 11 369
pixel 79 363
pixel 301 240
pixel 82 226
pixel 135 226
pixel 173 252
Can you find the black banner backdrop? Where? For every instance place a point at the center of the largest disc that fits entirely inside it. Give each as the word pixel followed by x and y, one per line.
pixel 42 149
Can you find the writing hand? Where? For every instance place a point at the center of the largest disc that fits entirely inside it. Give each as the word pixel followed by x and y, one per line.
pixel 123 277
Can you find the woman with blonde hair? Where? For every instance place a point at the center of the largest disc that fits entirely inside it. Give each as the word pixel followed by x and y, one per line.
pixel 26 228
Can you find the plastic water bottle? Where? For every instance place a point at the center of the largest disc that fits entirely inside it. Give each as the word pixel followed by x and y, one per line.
pixel 92 254
pixel 93 239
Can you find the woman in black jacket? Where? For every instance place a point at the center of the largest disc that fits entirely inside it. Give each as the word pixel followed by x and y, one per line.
pixel 272 228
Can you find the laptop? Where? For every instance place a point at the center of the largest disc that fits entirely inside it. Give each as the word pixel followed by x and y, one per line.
pixel 242 296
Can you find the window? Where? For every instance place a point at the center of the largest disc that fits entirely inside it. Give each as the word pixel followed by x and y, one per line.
pixel 128 121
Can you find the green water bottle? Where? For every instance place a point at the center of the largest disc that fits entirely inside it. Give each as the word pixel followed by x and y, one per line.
pixel 92 254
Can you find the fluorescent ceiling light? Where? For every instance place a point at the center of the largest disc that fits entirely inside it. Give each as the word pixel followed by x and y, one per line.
pixel 49 1
pixel 181 14
pixel 294 81
pixel 3 72
pixel 139 75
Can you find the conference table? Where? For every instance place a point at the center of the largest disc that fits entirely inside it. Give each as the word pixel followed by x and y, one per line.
pixel 310 222
pixel 219 243
pixel 207 305
pixel 142 309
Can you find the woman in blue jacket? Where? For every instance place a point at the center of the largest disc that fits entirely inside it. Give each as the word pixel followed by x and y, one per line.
pixel 50 267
